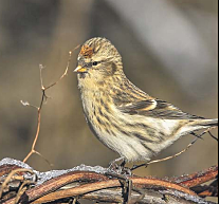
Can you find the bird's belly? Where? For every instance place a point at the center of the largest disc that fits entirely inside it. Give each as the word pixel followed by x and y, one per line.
pixel 128 147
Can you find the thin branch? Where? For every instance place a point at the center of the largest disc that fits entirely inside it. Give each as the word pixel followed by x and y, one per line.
pixel 173 156
pixel 22 189
pixel 26 103
pixel 43 98
pixel 165 158
pixel 48 162
pixel 63 75
pixel 9 177
pixel 213 136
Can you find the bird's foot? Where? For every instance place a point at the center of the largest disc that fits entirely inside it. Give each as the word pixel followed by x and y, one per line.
pixel 115 164
pixel 118 166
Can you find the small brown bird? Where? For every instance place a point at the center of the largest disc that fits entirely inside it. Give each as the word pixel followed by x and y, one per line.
pixel 123 117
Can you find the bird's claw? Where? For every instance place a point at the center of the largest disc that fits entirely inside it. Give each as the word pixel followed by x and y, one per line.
pixel 120 168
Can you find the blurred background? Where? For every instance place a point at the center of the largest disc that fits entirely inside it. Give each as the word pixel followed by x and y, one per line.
pixel 169 49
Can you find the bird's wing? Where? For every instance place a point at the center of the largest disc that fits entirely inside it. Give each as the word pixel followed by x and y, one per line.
pixel 154 108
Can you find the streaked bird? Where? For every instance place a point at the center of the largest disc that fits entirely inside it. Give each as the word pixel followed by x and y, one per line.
pixel 122 116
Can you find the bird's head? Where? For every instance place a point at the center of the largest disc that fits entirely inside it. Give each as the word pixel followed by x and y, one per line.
pixel 97 60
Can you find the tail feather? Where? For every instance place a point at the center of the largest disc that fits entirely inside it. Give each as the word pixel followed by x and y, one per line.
pixel 199 124
pixel 205 122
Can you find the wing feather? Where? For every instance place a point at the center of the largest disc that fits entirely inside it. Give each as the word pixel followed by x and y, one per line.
pixel 155 108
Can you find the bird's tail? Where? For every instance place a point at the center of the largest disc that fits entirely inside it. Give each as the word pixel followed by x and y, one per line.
pixel 199 124
pixel 205 123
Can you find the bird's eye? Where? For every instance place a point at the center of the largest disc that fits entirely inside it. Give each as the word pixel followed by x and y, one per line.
pixel 94 63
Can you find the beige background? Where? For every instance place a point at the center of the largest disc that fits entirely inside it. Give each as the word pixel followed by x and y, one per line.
pixel 169 49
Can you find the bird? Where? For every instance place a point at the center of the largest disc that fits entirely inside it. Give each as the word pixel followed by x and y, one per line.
pixel 124 118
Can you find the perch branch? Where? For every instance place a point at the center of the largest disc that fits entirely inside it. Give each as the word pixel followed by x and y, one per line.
pixel 100 186
pixel 197 178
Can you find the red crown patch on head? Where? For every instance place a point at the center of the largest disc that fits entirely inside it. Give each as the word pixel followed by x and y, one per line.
pixel 86 51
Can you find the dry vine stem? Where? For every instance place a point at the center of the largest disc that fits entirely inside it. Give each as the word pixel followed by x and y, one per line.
pixel 43 98
pixel 9 177
pixel 87 188
pixel 100 187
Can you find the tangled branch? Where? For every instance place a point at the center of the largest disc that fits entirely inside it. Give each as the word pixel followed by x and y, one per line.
pixel 19 183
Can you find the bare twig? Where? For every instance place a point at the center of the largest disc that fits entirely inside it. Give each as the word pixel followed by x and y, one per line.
pixel 172 156
pixel 165 158
pixel 213 136
pixel 22 189
pixel 9 177
pixel 43 98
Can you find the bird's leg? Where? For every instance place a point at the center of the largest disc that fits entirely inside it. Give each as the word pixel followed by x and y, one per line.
pixel 119 168
pixel 114 166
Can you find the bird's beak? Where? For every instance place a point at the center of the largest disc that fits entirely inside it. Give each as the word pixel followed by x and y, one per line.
pixel 80 69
